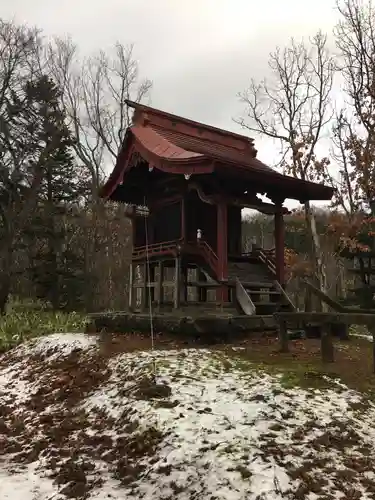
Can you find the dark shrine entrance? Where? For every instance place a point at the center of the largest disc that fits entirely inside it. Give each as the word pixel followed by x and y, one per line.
pixel 187 245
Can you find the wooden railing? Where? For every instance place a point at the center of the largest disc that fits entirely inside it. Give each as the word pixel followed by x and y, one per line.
pixel 266 256
pixel 201 246
pixel 283 293
pixel 209 255
pixel 156 248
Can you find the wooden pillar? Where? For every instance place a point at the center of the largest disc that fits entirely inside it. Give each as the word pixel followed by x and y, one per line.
pixel 222 250
pixel 184 290
pixel 151 291
pixel 327 344
pixel 283 336
pixel 144 299
pixel 279 245
pixel 202 291
pixel 137 290
pixel 160 284
pixel 131 287
pixel 177 284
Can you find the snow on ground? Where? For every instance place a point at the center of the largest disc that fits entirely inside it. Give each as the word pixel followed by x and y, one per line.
pixel 78 423
pixel 57 345
pixel 363 336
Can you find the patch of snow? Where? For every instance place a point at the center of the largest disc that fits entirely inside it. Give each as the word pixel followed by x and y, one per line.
pixel 26 485
pixel 363 336
pixel 12 387
pixel 57 345
pixel 228 432
pixel 217 428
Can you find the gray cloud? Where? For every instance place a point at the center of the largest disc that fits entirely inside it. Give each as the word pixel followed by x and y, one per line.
pixel 199 54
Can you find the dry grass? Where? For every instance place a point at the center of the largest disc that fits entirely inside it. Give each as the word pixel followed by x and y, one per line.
pixel 302 366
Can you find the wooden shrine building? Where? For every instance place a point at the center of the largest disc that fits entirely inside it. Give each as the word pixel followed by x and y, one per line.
pixel 194 180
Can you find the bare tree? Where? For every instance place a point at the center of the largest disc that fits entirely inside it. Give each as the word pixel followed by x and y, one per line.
pixel 355 39
pixel 345 193
pixel 109 82
pixel 95 89
pixel 94 93
pixel 294 109
pixel 65 67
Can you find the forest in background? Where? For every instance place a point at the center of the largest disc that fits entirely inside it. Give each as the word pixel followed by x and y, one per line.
pixel 62 120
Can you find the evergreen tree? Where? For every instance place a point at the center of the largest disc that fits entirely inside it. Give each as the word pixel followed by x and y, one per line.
pixel 56 269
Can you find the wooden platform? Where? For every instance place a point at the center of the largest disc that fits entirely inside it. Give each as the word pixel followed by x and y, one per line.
pixel 211 322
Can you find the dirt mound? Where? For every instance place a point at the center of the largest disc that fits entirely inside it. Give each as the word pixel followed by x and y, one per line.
pixel 77 421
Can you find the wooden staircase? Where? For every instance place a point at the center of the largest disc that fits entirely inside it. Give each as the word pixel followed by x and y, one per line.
pixel 254 275
pixel 259 281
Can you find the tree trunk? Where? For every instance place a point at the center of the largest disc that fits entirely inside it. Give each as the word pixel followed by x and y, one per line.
pixel 340 283
pixel 320 276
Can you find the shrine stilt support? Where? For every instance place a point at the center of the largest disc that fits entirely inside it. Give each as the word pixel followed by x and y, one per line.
pixel 160 285
pixel 177 284
pixel 144 297
pixel 131 287
pixel 222 250
pixel 151 284
pixel 184 281
pixel 202 291
pixel 279 245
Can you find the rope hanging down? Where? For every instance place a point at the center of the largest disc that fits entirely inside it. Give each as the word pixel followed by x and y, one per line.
pixel 147 279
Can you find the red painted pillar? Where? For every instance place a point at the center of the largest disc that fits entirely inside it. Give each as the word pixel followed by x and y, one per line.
pixel 222 249
pixel 279 245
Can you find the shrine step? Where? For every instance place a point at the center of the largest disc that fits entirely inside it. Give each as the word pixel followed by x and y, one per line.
pixel 249 271
pixel 264 308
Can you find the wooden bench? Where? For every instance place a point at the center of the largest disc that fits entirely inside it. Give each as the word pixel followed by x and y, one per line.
pixel 326 322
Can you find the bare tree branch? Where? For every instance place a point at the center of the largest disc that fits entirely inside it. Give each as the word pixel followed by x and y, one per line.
pixel 355 39
pixel 94 94
pixel 294 108
pixel 342 135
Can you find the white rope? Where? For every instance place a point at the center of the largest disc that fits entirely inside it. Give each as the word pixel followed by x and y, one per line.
pixel 147 277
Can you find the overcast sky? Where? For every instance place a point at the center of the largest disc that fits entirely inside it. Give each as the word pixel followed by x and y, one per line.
pixel 199 53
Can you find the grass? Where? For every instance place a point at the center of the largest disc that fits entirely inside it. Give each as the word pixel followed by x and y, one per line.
pixel 303 367
pixel 296 374
pixel 25 321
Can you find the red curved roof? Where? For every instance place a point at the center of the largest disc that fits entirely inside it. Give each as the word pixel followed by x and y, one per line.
pixel 178 145
pixel 160 146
